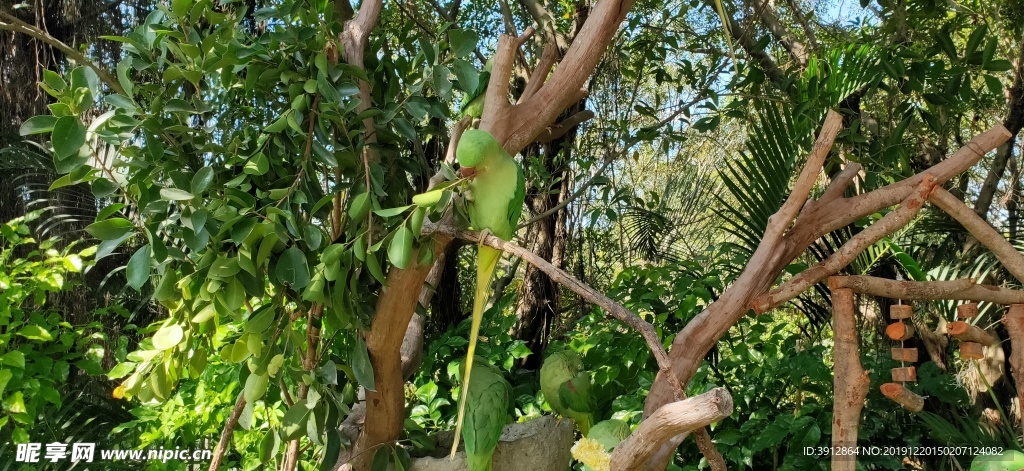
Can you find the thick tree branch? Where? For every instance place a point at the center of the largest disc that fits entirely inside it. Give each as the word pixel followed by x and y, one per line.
pixel 225 435
pixel 12 23
pixel 850 381
pixel 668 421
pixel 1007 255
pixel 1014 322
pixel 353 40
pixel 1014 121
pixel 848 252
pixel 764 12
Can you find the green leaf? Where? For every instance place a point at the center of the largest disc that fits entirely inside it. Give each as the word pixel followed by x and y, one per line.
pixel 14 358
pixel 110 229
pixel 257 165
pixel 468 76
pixel 381 459
pixel 68 137
pixel 169 336
pixel 293 425
pixel 138 268
pixel 261 320
pixel 38 125
pixel 359 207
pixel 102 187
pixel 268 447
pixel 361 366
pixel 1000 65
pixel 35 332
pixel 389 212
pixel 292 268
pixel 121 370
pixel 462 41
pixel 5 377
pixel 400 249
pixel 175 194
pixel 256 387
pixel 202 179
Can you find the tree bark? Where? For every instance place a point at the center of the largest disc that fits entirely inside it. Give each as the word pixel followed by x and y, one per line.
pixel 1014 322
pixel 1013 122
pixel 851 381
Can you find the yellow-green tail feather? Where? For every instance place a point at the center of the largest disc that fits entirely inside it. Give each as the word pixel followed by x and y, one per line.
pixel 486 262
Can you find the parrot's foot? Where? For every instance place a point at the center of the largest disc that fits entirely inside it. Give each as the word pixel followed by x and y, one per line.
pixel 483 235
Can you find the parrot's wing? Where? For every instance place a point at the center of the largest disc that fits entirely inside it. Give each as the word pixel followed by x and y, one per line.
pixel 515 207
pixel 486 409
pixel 575 394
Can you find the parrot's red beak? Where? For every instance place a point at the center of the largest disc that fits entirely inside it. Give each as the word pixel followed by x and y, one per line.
pixel 467 172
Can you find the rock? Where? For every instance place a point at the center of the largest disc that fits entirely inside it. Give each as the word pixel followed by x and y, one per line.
pixel 538 445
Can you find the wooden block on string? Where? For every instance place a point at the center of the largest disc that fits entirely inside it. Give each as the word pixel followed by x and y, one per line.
pixel 908 355
pixel 903 396
pixel 899 331
pixel 967 311
pixel 901 311
pixel 972 350
pixel 904 375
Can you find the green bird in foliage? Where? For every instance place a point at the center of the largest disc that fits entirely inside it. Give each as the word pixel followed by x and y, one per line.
pixel 609 433
pixel 473 102
pixel 567 387
pixel 494 203
pixel 489 397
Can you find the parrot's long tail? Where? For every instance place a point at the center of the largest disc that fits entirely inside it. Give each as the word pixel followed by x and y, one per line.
pixel 486 261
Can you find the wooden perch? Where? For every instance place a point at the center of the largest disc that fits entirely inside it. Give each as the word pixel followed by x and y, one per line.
pixel 903 397
pixel 904 374
pixel 963 289
pixel 850 380
pixel 1007 255
pixel 972 350
pixel 784 241
pixel 965 332
pixel 668 421
pixel 967 311
pixel 908 355
pixel 849 251
pixel 897 312
pixel 899 331
pixel 1014 322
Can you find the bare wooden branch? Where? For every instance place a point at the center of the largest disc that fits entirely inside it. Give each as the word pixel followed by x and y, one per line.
pixel 12 23
pixel 780 221
pixel 903 397
pixel 841 182
pixel 1014 322
pixel 668 421
pixel 851 381
pixel 848 252
pixel 1011 259
pixel 354 38
pixel 586 292
pixel 559 130
pixel 227 433
pixel 764 12
pixel 541 71
pixel 899 289
pixel 965 332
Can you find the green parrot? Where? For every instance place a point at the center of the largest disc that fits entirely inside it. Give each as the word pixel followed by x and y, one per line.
pixel 567 388
pixel 494 203
pixel 1009 460
pixel 609 433
pixel 489 396
pixel 473 102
